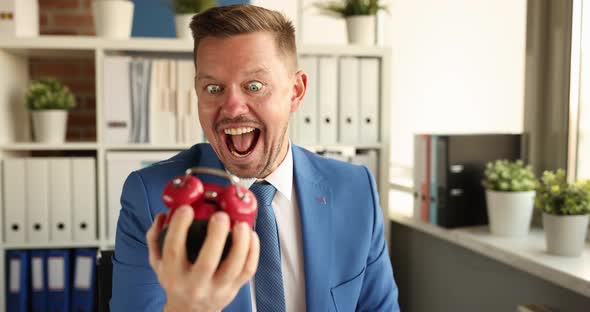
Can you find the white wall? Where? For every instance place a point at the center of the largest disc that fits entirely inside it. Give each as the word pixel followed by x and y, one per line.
pixel 458 67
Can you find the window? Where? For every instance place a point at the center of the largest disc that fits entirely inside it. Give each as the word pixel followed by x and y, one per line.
pixel 580 90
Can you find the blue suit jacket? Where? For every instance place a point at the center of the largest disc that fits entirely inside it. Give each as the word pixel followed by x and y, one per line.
pixel 346 260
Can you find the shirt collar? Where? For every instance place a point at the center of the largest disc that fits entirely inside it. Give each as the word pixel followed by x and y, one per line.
pixel 281 178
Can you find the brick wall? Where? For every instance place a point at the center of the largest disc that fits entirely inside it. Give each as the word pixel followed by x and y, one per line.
pixel 70 17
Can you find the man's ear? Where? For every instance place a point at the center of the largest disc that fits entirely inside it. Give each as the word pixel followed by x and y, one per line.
pixel 299 88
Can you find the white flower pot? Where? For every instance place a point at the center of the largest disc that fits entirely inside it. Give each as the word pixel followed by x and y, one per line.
pixel 361 29
pixel 183 22
pixel 113 18
pixel 49 126
pixel 565 235
pixel 510 213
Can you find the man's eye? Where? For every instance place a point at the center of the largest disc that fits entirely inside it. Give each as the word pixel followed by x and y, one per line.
pixel 254 86
pixel 213 89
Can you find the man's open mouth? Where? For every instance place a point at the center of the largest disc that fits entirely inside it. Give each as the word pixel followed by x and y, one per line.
pixel 241 141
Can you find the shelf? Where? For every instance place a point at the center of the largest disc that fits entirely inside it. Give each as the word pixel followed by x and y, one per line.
pixel 146 147
pixel 342 146
pixel 526 254
pixel 51 245
pixel 49 45
pixel 81 146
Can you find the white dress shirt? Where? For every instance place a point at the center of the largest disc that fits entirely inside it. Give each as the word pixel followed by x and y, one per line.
pixel 284 205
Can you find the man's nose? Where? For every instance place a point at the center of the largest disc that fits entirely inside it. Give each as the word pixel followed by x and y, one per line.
pixel 235 103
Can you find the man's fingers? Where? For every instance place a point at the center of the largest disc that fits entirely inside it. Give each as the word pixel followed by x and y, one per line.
pixel 251 264
pixel 234 263
pixel 212 248
pixel 151 238
pixel 174 252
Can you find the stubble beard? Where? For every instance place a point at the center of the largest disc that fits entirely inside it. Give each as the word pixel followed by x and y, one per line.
pixel 271 159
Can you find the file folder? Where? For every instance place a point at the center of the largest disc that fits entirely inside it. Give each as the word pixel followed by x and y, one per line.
pixel 433 180
pixel 307 116
pixel 349 100
pixel 419 174
pixel 37 190
pixel 117 99
pixel 328 100
pixel 425 184
pixel 60 201
pixel 162 116
pixel 461 161
pixel 14 200
pixel 58 280
pixel 84 198
pixel 84 280
pixel 17 262
pixel 369 100
pixel 39 301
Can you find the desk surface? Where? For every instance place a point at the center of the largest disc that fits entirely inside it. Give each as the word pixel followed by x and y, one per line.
pixel 527 253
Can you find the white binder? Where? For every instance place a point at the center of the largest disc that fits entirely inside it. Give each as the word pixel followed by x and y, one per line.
pixel 195 132
pixel 307 115
pixel 60 199
pixel 117 99
pixel 188 129
pixel 84 198
pixel 119 166
pixel 369 103
pixel 162 115
pixel 14 181
pixel 328 100
pixel 349 100
pixel 37 192
pixel 23 20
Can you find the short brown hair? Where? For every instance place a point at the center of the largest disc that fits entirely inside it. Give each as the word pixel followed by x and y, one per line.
pixel 238 19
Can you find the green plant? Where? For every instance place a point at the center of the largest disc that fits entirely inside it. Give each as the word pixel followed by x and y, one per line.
pixel 191 6
pixel 48 93
pixel 347 8
pixel 556 196
pixel 509 176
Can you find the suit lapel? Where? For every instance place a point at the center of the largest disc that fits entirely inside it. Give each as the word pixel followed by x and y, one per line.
pixel 208 158
pixel 314 199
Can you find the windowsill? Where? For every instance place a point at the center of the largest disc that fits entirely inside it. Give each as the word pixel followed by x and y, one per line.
pixel 526 254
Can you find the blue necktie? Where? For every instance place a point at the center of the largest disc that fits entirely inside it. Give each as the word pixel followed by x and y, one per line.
pixel 270 296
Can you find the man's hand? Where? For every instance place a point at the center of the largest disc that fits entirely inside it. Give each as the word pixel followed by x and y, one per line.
pixel 205 285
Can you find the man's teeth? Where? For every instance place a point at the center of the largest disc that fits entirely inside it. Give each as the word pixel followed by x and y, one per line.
pixel 238 131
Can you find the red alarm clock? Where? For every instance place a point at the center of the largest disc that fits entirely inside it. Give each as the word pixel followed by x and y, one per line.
pixel 207 198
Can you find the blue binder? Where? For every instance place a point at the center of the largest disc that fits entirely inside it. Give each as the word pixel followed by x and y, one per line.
pixel 38 272
pixel 58 280
pixel 17 287
pixel 84 280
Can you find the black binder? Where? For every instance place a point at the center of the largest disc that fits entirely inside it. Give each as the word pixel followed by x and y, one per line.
pixel 461 161
pixel 104 280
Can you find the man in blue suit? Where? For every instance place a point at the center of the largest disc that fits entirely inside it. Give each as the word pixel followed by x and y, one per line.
pixel 319 241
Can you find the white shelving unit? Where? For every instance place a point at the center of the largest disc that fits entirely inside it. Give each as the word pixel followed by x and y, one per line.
pixel 14 119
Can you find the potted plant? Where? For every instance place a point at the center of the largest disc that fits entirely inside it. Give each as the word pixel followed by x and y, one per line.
pixel 565 207
pixel 359 15
pixel 49 102
pixel 113 19
pixel 510 193
pixel 184 11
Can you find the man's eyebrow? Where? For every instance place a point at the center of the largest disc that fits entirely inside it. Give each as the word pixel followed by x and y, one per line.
pixel 261 70
pixel 204 76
